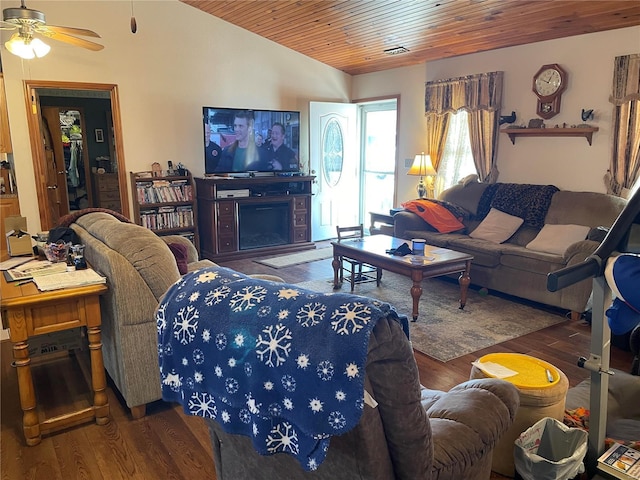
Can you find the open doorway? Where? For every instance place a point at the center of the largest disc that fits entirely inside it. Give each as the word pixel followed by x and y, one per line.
pixel 77 177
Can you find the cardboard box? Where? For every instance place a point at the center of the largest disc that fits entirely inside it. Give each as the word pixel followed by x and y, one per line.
pixel 56 342
pixel 18 240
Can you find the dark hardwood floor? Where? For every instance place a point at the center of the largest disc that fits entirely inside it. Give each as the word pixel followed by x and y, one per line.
pixel 166 444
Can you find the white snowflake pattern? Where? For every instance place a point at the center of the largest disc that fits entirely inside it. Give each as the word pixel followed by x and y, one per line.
pixel 287 294
pixel 239 340
pixel 194 296
pixel 255 429
pixel 185 324
pixel 288 383
pixel 268 386
pixel 352 371
pixel 312 464
pixel 218 371
pixel 350 318
pixel 198 377
pixel 225 416
pixel 181 296
pixel 283 314
pixel 215 296
pixel 283 438
pixel 231 362
pixel 206 335
pixel 231 385
pixel 325 370
pixel 189 383
pixel 337 420
pixel 315 405
pixel 275 410
pixel 360 403
pixel 198 356
pixel 247 298
pixel 311 314
pixel 274 349
pixel 206 277
pixel 341 396
pixel 221 341
pixel 185 362
pixel 302 361
pixel 288 403
pixel 264 311
pixel 244 415
pixel 161 321
pixel 248 369
pixel 203 405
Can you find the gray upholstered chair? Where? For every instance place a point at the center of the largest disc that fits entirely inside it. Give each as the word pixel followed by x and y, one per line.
pixel 413 433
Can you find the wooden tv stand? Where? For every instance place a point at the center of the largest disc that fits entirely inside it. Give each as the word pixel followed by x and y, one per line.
pixel 253 216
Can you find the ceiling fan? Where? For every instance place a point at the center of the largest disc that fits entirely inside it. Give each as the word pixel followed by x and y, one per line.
pixel 30 22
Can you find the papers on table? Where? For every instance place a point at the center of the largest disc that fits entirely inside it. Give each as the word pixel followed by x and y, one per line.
pixel 76 278
pixel 34 268
pixel 14 262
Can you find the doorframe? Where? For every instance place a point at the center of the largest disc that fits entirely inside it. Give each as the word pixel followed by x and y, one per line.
pixel 37 147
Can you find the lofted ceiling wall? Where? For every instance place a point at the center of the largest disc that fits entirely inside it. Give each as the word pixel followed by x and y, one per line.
pixel 352 35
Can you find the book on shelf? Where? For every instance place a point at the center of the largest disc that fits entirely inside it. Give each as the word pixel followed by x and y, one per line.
pixel 34 268
pixel 75 278
pixel 621 462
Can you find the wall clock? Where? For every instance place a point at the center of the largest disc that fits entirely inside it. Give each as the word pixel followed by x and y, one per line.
pixel 548 84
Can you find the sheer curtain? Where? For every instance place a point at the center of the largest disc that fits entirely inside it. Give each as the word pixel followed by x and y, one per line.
pixel 481 96
pixel 624 170
pixel 457 159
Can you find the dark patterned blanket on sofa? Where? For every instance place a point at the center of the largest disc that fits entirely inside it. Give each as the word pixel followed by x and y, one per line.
pixel 527 201
pixel 280 364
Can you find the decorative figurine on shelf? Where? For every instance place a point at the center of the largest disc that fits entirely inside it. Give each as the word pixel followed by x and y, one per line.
pixel 156 169
pixel 508 118
pixel 182 171
pixel 536 123
pixel 170 170
pixel 586 115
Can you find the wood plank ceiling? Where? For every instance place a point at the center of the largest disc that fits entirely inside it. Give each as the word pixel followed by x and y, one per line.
pixel 352 35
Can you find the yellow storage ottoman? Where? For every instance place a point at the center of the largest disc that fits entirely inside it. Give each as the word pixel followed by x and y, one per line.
pixel 543 389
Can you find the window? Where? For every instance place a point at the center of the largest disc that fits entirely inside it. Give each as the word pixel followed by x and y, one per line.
pixel 457 160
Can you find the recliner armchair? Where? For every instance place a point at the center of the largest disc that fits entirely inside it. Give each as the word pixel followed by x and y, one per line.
pixel 413 433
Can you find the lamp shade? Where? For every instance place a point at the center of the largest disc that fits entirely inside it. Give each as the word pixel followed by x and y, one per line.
pixel 27 48
pixel 422 166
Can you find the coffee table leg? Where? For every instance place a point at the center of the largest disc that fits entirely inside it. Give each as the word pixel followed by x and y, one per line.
pixel 464 280
pixel 336 264
pixel 416 292
pixel 30 422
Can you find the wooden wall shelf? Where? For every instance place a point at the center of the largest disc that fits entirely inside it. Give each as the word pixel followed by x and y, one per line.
pixel 586 132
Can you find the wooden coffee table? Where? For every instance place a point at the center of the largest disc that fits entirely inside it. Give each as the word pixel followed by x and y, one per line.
pixel 437 261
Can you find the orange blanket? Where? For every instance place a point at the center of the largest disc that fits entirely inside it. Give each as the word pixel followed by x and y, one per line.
pixel 435 215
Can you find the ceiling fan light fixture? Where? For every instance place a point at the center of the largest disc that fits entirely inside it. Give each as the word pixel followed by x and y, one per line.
pixel 26 48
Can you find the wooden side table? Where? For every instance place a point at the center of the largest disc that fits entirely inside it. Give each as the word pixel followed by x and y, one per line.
pixel 28 312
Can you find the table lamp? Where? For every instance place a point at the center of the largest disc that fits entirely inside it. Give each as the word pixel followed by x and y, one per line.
pixel 422 167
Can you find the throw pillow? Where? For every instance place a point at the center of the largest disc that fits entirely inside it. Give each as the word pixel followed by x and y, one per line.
pixel 180 253
pixel 557 238
pixel 497 226
pixel 435 214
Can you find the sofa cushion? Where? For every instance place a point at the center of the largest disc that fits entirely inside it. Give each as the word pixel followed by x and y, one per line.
pixel 466 196
pixel 435 214
pixel 557 238
pixel 485 253
pixel 497 226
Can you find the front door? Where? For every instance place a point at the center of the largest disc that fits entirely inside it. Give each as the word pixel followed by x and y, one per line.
pixel 334 161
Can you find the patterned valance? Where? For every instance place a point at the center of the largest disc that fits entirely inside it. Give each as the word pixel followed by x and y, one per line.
pixel 626 79
pixel 481 91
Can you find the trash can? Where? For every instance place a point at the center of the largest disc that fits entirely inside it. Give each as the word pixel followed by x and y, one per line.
pixel 550 450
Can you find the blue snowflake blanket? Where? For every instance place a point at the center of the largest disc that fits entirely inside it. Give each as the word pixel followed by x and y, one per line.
pixel 280 364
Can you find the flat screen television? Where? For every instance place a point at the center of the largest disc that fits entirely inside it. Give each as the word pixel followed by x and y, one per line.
pixel 240 141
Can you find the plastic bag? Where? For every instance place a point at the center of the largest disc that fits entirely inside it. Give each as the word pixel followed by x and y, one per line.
pixel 549 450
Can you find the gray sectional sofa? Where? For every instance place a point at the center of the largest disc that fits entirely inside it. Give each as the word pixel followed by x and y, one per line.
pixel 510 267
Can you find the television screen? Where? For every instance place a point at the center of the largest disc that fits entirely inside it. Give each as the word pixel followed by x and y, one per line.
pixel 242 141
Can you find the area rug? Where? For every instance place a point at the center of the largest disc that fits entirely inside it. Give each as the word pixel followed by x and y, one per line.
pixel 305 256
pixel 443 331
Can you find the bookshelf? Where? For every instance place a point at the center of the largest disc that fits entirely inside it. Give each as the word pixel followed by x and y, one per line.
pixel 166 205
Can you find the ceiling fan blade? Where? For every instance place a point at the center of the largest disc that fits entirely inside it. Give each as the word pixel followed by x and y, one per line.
pixel 68 30
pixel 78 42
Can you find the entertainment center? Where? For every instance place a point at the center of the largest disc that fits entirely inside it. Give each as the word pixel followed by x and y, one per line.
pixel 252 216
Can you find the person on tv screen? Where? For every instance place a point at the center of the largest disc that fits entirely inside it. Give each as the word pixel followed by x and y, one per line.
pixel 276 155
pixel 212 151
pixel 242 155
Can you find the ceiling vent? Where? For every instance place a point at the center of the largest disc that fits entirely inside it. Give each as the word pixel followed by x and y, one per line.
pixel 395 50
